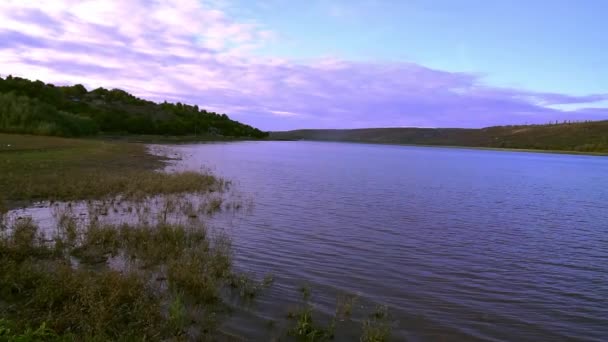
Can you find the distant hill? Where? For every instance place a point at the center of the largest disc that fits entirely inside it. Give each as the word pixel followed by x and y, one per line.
pixel 34 107
pixel 591 136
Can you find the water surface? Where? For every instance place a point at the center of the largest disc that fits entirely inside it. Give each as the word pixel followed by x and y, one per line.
pixel 460 244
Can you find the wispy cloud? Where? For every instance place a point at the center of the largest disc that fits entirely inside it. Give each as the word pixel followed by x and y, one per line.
pixel 192 51
pixel 284 113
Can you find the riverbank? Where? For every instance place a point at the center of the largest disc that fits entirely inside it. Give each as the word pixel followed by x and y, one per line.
pixel 454 147
pixel 85 278
pixel 130 253
pixel 49 168
pixel 587 137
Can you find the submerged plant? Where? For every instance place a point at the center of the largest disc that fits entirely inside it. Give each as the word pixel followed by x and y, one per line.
pixel 306 328
pixel 377 327
pixel 247 287
pixel 344 306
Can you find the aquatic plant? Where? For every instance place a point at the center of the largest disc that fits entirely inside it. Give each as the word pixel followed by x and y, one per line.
pixel 96 280
pixel 377 327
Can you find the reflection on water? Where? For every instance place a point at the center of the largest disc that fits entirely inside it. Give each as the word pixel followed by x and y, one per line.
pixel 181 209
pixel 459 244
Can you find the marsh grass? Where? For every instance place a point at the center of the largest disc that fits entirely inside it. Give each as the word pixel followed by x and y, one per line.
pixel 50 168
pixel 42 333
pixel 247 287
pixel 305 327
pixel 169 283
pixel 308 327
pixel 377 328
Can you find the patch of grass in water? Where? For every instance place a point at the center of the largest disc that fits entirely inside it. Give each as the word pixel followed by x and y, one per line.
pixel 247 287
pixel 306 328
pixel 376 328
pixel 168 287
pixel 40 287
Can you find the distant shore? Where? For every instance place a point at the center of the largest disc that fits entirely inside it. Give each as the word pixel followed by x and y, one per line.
pixel 452 146
pixel 585 138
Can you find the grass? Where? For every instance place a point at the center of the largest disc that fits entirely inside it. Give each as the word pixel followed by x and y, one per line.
pixel 42 333
pixel 377 327
pixel 167 284
pixel 307 327
pixel 49 168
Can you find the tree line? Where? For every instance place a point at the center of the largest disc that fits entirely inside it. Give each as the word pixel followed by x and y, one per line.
pixel 35 107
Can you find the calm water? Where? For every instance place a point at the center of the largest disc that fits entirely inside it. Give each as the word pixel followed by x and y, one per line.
pixel 460 244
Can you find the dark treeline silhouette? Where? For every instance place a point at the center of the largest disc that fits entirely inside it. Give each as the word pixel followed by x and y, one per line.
pixel 587 136
pixel 34 107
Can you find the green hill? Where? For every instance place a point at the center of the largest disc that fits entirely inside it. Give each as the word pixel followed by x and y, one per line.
pixel 591 136
pixel 34 107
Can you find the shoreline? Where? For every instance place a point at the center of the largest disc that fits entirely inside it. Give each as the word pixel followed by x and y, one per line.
pixel 596 154
pixel 131 249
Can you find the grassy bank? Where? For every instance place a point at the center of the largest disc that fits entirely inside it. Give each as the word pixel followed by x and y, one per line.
pixel 50 168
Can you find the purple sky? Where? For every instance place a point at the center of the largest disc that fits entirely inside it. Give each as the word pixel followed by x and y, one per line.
pixel 200 52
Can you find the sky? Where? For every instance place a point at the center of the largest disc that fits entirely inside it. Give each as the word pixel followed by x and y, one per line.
pixel 283 64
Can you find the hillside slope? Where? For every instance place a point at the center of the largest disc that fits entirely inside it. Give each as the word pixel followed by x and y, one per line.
pixel 580 136
pixel 34 107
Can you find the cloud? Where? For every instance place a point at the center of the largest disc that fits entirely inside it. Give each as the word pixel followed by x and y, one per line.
pixel 192 51
pixel 284 113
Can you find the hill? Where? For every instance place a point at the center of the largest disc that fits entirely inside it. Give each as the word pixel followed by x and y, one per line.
pixel 34 107
pixel 590 136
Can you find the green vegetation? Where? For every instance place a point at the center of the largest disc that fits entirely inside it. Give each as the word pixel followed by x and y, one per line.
pixel 306 327
pixel 51 168
pixel 377 327
pixel 33 107
pixel 166 282
pixel 42 333
pixel 584 137
pixel 20 114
